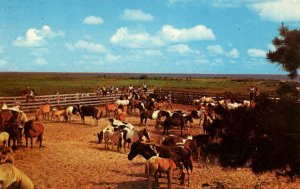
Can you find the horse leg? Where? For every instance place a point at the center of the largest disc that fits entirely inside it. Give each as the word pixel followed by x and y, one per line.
pixel 41 140
pixel 82 119
pixel 26 142
pixel 124 146
pixel 31 142
pixel 169 178
pixel 156 184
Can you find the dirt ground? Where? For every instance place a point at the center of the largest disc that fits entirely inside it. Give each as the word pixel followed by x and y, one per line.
pixel 72 158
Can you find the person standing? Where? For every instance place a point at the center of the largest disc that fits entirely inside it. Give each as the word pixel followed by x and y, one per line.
pixel 104 90
pixel 251 92
pixel 257 92
pixel 144 87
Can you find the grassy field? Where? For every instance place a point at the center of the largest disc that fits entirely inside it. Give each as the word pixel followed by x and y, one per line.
pixel 12 84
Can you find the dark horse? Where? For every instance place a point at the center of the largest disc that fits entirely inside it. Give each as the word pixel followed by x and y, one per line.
pixel 11 121
pixel 89 111
pixel 173 121
pixel 181 155
pixel 32 130
pixel 158 114
pixel 15 134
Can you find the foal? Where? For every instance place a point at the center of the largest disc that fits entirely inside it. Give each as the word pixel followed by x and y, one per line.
pixel 156 164
pixel 114 137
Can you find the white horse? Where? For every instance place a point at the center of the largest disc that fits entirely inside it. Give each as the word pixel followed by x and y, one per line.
pixel 122 102
pixel 9 175
pixel 4 136
pixel 4 106
pixel 69 111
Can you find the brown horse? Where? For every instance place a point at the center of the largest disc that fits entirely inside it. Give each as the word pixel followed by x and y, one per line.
pixel 11 117
pixel 111 108
pixel 121 116
pixel 32 130
pixel 43 110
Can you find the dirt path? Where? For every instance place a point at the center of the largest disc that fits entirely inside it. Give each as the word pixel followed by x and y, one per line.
pixel 73 159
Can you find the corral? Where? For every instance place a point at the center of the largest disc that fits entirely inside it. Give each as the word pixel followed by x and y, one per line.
pixel 73 159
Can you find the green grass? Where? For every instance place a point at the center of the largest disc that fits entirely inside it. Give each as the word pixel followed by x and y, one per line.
pixel 12 84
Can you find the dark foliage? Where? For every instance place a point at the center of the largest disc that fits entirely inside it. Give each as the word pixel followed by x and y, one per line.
pixel 288 88
pixel 266 137
pixel 287 50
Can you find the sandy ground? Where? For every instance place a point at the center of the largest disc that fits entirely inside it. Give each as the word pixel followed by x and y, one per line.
pixel 72 158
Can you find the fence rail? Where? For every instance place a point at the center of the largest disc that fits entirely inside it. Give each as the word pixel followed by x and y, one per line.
pixel 187 97
pixel 178 97
pixel 60 100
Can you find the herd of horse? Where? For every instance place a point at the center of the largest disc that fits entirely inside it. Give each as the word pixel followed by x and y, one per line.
pixel 172 153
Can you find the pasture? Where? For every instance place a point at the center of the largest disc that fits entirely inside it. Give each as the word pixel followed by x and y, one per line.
pixel 12 84
pixel 72 158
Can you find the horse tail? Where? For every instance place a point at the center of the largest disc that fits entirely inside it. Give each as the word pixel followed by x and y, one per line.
pixel 120 142
pixel 100 137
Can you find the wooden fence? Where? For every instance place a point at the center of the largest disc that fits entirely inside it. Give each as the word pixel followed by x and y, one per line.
pixel 187 97
pixel 60 100
pixel 178 97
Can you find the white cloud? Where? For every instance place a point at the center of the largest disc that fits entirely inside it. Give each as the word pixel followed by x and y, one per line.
pixel 168 34
pixel 88 46
pixel 40 61
pixel 278 10
pixel 233 53
pixel 36 37
pixel 135 40
pixel 215 49
pixel 218 50
pixel 93 20
pixel 199 32
pixel 180 48
pixel 257 53
pixel 136 15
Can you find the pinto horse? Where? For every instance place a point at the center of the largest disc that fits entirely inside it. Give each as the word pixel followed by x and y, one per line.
pixel 132 135
pixel 90 111
pixel 136 104
pixel 150 114
pixel 32 130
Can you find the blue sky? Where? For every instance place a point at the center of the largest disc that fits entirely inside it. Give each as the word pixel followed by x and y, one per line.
pixel 142 36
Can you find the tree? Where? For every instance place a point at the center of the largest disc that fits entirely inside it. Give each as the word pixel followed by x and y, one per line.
pixel 287 53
